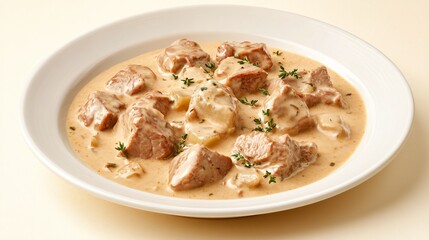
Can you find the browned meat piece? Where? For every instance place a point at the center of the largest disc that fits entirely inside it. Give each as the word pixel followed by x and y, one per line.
pixel 183 53
pixel 100 111
pixel 288 111
pixel 147 133
pixel 197 166
pixel 315 86
pixel 283 157
pixel 256 53
pixel 155 99
pixel 241 78
pixel 130 80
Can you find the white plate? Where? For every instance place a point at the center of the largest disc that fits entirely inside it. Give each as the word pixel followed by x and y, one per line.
pixel 388 99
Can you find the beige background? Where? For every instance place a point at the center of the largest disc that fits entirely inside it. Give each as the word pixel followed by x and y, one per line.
pixel 37 204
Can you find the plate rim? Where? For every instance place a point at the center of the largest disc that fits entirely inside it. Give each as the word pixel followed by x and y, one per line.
pixel 183 211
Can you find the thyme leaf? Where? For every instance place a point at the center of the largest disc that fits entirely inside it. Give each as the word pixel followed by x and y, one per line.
pixel 270 125
pixel 210 65
pixel 237 156
pixel 258 129
pixel 122 148
pixel 188 81
pixel 244 60
pixel 266 112
pixel 278 53
pixel 272 179
pixel 264 91
pixel 246 102
pixel 182 144
pixel 283 73
pixel 248 164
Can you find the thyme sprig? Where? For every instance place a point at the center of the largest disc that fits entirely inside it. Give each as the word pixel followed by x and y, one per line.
pixel 122 148
pixel 238 157
pixel 188 81
pixel 272 179
pixel 278 53
pixel 246 102
pixel 182 144
pixel 283 73
pixel 264 91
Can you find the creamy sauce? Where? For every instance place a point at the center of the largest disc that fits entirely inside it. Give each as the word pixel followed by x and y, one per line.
pixel 332 152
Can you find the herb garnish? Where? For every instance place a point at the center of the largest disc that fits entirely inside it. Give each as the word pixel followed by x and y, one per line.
pixel 264 91
pixel 283 73
pixel 278 53
pixel 203 88
pixel 348 94
pixel 270 125
pixel 237 156
pixel 266 112
pixel 188 81
pixel 257 121
pixel 246 102
pixel 248 164
pixel 258 129
pixel 122 148
pixel 210 65
pixel 272 178
pixel 72 128
pixel 175 77
pixel 244 60
pixel 181 145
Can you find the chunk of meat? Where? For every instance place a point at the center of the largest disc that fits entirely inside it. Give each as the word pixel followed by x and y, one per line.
pixel 147 133
pixel 282 157
pixel 197 166
pixel 130 80
pixel 212 113
pixel 181 94
pixel 100 111
pixel 241 78
pixel 156 100
pixel 183 53
pixel 256 53
pixel 288 111
pixel 332 125
pixel 314 87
